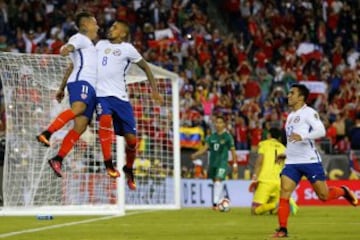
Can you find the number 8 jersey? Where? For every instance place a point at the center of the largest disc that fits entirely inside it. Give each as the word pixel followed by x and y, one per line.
pixel 114 61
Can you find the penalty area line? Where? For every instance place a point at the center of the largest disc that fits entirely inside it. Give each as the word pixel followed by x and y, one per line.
pixel 10 234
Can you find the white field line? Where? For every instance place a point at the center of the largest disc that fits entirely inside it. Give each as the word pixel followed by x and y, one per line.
pixel 10 234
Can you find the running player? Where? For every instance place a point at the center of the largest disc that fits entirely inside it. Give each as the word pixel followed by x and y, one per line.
pixel 80 81
pixel 303 126
pixel 113 107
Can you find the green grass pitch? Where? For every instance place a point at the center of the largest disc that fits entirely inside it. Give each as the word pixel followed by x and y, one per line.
pixel 310 223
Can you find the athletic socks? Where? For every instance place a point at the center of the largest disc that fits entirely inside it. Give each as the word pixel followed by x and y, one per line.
pixel 283 212
pixel 68 142
pixel 61 120
pixel 335 192
pixel 218 187
pixel 105 136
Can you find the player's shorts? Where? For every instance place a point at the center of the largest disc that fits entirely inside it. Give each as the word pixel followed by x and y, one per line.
pixel 266 191
pixel 312 171
pixel 82 91
pixel 217 173
pixel 121 112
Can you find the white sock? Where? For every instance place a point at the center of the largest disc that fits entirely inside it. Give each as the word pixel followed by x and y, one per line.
pixel 218 188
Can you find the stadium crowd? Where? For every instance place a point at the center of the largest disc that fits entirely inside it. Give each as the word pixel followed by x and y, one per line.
pixel 242 69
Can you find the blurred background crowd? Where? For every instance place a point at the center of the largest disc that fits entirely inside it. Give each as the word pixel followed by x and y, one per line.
pixel 234 57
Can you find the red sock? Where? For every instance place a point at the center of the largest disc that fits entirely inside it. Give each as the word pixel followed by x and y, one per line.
pixel 335 192
pixel 68 142
pixel 105 136
pixel 61 120
pixel 283 212
pixel 130 152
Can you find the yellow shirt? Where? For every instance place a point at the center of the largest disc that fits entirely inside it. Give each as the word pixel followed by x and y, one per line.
pixel 142 167
pixel 270 170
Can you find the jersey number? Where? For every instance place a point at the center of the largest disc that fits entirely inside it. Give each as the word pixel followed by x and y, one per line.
pixel 104 61
pixel 216 146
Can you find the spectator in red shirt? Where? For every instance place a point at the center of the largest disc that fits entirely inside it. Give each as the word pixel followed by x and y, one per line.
pixel 241 134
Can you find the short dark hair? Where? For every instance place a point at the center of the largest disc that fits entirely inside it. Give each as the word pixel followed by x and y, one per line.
pixel 275 133
pixel 220 117
pixel 80 16
pixel 303 90
pixel 126 24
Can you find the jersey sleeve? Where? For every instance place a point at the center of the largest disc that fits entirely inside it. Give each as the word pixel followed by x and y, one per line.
pixel 317 128
pixel 207 140
pixel 261 148
pixel 78 42
pixel 133 54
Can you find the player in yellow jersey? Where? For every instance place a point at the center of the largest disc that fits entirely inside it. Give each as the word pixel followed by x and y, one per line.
pixel 266 177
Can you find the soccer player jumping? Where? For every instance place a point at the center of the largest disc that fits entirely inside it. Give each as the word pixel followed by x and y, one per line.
pixel 80 80
pixel 303 126
pixel 113 107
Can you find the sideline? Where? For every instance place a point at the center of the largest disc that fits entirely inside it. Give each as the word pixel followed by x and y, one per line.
pixel 10 234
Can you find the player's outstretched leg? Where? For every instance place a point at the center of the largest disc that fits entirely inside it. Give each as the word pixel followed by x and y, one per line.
pixel 55 163
pixel 350 196
pixel 129 177
pixel 44 138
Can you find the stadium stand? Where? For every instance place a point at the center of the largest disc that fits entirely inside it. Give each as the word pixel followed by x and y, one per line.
pixel 242 69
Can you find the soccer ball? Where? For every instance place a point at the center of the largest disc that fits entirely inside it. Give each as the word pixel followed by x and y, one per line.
pixel 224 205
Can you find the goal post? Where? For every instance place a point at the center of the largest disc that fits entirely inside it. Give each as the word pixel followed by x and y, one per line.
pixel 30 187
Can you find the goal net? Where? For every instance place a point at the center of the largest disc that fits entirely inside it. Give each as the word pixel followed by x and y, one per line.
pixel 30 187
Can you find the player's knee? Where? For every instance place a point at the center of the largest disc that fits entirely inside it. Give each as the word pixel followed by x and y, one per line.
pixel 131 143
pixel 323 196
pixel 78 108
pixel 253 211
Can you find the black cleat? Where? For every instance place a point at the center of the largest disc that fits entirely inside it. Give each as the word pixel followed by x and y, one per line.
pixel 350 196
pixel 44 138
pixel 129 178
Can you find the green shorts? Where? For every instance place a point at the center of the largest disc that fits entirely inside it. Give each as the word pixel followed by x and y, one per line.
pixel 217 173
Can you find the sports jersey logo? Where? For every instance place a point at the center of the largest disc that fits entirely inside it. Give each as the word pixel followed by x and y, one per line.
pixel 117 52
pixel 98 108
pixel 83 96
pixel 107 51
pixel 297 119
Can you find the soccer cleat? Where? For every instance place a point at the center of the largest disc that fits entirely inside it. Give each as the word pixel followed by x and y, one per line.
pixel 56 166
pixel 44 138
pixel 129 177
pixel 350 196
pixel 112 172
pixel 280 233
pixel 215 208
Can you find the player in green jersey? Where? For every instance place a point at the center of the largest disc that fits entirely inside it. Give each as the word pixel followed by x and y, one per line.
pixel 219 144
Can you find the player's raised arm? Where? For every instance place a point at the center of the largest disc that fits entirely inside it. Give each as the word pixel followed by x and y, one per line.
pixel 155 93
pixel 60 92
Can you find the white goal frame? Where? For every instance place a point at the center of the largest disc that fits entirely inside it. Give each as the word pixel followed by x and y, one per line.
pixel 135 75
